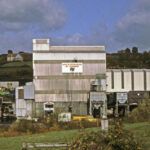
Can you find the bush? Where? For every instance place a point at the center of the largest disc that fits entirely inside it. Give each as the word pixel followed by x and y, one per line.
pixel 141 113
pixel 115 139
pixel 49 124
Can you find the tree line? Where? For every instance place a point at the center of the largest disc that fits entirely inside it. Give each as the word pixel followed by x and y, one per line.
pixel 129 59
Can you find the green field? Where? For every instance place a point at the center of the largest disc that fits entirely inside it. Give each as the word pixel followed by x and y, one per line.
pixel 17 64
pixel 17 71
pixel 140 130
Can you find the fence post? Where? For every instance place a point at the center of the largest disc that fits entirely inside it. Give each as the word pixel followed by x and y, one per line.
pixel 24 146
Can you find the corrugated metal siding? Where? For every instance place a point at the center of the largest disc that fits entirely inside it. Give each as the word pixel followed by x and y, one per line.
pixel 134 80
pixel 69 56
pixel 51 85
pixel 20 112
pixel 16 93
pixel 117 80
pixel 139 81
pixel 127 81
pixel 61 97
pixel 63 84
pixel 148 80
pixel 29 92
pixel 56 69
pixel 20 104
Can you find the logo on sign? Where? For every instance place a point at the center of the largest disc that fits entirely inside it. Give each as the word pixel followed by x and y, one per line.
pixel 72 67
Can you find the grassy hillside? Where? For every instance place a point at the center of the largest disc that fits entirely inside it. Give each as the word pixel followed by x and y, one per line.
pixel 16 71
pixel 140 130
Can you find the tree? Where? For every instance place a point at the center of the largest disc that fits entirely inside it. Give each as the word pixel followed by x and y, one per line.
pixel 127 51
pixel 134 50
pixel 10 51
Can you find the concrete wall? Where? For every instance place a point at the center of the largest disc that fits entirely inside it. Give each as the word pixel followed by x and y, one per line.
pixel 123 80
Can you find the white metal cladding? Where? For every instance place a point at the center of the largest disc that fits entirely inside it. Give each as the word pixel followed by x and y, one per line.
pixel 20 112
pixel 138 81
pixel 56 69
pixel 20 104
pixel 41 44
pixel 51 84
pixel 29 92
pixel 127 80
pixel 122 80
pixel 117 80
pixel 97 96
pixel 148 80
pixel 69 56
pixel 108 81
pixel 61 97
pixel 63 84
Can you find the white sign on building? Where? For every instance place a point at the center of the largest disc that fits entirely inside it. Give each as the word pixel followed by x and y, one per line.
pixel 72 67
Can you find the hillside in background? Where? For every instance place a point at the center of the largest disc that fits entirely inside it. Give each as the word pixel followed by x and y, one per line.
pixel 123 59
pixel 15 71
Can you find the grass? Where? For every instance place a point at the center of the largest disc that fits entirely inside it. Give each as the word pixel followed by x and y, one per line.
pixel 140 130
pixel 17 64
pixel 15 143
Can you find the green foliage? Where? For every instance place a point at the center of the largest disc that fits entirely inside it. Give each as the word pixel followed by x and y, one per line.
pixel 116 139
pixel 141 113
pixel 53 125
pixel 126 59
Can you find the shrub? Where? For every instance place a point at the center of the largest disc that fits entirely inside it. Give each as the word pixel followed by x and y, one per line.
pixel 141 113
pixel 115 139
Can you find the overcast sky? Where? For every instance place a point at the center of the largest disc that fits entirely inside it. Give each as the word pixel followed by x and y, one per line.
pixel 116 24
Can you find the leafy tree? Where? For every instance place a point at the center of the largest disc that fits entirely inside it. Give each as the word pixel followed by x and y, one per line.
pixel 127 51
pixel 134 50
pixel 10 51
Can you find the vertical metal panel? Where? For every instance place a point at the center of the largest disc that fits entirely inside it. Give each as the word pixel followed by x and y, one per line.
pixel 112 79
pixel 16 93
pixel 132 80
pixel 145 79
pixel 21 104
pixel 20 112
pixel 56 69
pixel 127 81
pixel 122 79
pixel 148 80
pixel 117 80
pixel 29 92
pixel 62 84
pixel 108 81
pixel 138 80
pixel 69 56
pixel 29 108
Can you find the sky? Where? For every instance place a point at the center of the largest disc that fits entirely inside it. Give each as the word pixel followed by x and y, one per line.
pixel 116 24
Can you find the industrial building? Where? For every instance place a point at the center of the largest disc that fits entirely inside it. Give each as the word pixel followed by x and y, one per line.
pixel 74 79
pixel 126 88
pixel 66 76
pixel 25 104
pixel 125 80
